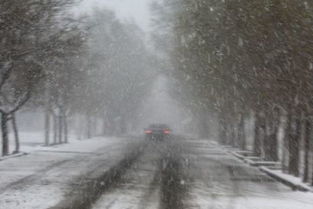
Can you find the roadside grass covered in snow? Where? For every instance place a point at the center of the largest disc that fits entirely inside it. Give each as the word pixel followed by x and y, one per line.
pixel 30 141
pixel 273 169
pixel 41 178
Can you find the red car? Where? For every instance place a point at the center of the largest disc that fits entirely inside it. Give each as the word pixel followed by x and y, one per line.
pixel 157 132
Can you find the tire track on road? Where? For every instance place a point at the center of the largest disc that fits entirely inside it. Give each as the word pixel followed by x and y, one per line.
pixel 29 180
pixel 89 191
pixel 36 178
pixel 139 188
pixel 174 186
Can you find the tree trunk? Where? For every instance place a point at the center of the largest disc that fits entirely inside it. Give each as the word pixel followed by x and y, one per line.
pixel 203 125
pixel 95 126
pixel 307 145
pixel 60 129
pixel 229 134
pixel 285 159
pixel 232 134
pixel 271 137
pixel 47 127
pixel 88 126
pixel 241 133
pixel 47 115
pixel 104 125
pixel 262 130
pixel 15 131
pixel 294 145
pixel 267 138
pixel 257 135
pixel 311 164
pixel 80 126
pixel 5 135
pixel 222 131
pixel 109 124
pixel 311 158
pixel 123 126
pixel 55 129
pixel 65 128
pixel 273 147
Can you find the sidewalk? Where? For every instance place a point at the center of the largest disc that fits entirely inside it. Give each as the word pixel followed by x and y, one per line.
pixel 271 168
pixel 42 177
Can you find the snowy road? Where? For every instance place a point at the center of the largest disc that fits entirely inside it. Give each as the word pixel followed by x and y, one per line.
pixel 183 174
pixel 178 174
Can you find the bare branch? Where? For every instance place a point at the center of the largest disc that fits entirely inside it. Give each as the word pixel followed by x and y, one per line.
pixel 21 101
pixel 7 69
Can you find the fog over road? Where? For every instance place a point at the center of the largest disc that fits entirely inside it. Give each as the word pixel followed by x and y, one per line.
pixel 160 107
pixel 180 174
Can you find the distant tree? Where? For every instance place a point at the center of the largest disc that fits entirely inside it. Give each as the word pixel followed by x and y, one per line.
pixel 119 68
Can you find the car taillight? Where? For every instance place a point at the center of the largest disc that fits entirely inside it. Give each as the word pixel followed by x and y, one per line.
pixel 166 131
pixel 148 132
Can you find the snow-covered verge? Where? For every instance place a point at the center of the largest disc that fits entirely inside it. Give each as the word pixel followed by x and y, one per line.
pixel 30 141
pixel 40 179
pixel 13 155
pixel 224 181
pixel 292 181
pixel 273 169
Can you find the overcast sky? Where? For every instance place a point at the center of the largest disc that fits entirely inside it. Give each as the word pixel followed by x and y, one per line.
pixel 138 10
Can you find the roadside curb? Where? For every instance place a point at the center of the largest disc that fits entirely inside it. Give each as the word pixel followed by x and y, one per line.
pixel 13 156
pixel 269 169
pixel 295 186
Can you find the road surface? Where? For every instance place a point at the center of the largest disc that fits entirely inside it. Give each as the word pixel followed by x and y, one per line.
pixel 131 173
pixel 182 174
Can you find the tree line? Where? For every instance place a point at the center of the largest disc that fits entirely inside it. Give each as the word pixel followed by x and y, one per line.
pixel 87 69
pixel 247 61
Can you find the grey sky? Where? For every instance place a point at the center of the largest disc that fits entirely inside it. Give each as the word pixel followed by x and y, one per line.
pixel 125 9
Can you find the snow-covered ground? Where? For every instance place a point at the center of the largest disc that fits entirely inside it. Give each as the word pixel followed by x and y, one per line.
pixel 222 181
pixel 273 169
pixel 42 178
pixel 30 141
